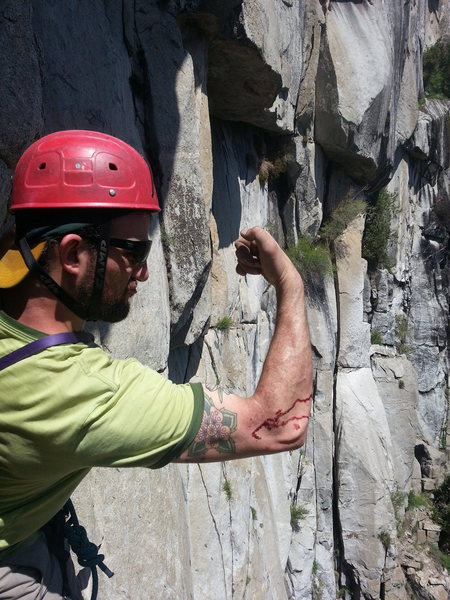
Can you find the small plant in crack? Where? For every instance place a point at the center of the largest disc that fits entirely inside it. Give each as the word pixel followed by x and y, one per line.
pixel 298 513
pixel 166 238
pixel 254 514
pixel 376 337
pixel 224 323
pixel 398 499
pixel 402 334
pixel 227 490
pixel 385 538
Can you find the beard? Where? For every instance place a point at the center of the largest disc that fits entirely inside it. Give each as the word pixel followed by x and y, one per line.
pixel 113 307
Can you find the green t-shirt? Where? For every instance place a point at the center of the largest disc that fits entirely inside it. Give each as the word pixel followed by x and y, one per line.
pixel 73 407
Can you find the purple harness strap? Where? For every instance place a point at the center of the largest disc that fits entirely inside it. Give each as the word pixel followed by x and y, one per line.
pixel 86 551
pixel 42 343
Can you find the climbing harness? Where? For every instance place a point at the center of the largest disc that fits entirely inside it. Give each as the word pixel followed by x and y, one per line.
pixel 65 523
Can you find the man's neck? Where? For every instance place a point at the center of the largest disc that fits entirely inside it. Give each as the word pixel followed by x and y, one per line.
pixel 42 312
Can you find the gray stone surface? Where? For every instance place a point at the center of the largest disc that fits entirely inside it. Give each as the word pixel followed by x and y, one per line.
pixel 325 95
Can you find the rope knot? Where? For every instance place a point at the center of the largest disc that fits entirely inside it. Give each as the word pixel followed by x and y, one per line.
pixel 85 550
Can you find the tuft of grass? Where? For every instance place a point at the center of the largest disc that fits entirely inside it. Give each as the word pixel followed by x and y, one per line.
pixel 224 323
pixel 227 490
pixel 272 169
pixel 317 586
pixel 375 337
pixel 311 259
pixel 281 163
pixel 436 70
pixel 298 513
pixel 341 217
pixel 398 501
pixel 254 514
pixel 401 384
pixel 444 429
pixel 377 232
pixel 265 168
pixel 417 500
pixel 385 538
pixel 166 238
pixel 401 331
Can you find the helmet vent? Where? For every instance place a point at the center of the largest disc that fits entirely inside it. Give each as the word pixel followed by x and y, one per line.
pixel 112 167
pixel 42 166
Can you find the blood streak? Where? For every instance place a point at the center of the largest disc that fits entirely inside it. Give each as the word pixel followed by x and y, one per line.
pixel 276 421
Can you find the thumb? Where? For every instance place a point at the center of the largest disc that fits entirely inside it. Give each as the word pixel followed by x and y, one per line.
pixel 256 234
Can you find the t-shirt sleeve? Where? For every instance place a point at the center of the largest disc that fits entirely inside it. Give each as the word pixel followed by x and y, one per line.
pixel 142 420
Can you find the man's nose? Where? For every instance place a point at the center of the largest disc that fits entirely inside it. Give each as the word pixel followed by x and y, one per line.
pixel 140 271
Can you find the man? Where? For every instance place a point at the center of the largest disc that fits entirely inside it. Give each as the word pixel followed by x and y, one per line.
pixel 82 202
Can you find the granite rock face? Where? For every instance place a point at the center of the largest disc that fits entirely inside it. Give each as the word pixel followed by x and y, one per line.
pixel 253 112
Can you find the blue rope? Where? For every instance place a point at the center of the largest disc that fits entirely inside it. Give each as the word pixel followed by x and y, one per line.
pixel 85 550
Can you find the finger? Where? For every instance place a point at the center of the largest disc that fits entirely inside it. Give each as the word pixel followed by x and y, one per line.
pixel 248 270
pixel 241 243
pixel 258 239
pixel 249 262
pixel 252 233
pixel 254 248
pixel 255 234
pixel 243 253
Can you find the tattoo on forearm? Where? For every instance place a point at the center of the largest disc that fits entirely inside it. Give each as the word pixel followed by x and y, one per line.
pixel 276 421
pixel 215 431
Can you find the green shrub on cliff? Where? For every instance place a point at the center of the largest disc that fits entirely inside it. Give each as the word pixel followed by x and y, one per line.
pixel 377 232
pixel 417 500
pixel 341 217
pixel 311 258
pixel 401 331
pixel 376 337
pixel 436 71
pixel 441 513
pixel 298 513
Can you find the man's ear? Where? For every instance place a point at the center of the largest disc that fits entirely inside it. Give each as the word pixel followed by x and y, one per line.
pixel 72 253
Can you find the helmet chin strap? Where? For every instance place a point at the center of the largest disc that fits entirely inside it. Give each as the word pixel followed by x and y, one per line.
pixel 100 269
pixel 86 313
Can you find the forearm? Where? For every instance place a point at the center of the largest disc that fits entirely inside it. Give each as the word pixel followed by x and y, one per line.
pixel 284 390
pixel 275 417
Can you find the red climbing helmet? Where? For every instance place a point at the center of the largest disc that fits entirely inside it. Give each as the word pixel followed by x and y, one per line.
pixel 82 169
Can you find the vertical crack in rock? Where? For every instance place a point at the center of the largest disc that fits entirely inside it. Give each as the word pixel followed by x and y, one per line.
pixel 224 468
pixel 214 366
pixel 249 534
pixel 342 567
pixel 139 69
pixel 215 528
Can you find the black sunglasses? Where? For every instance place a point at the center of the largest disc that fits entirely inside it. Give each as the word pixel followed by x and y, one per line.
pixel 140 250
